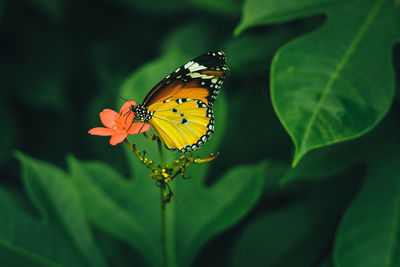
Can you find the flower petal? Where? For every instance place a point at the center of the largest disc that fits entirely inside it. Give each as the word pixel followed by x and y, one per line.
pixel 127 120
pixel 102 131
pixel 139 127
pixel 108 117
pixel 117 138
pixel 126 106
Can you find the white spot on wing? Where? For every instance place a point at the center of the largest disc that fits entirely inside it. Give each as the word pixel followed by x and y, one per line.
pixel 187 65
pixel 199 75
pixel 196 67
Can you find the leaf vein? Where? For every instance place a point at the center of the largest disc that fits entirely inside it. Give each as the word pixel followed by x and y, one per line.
pixel 353 45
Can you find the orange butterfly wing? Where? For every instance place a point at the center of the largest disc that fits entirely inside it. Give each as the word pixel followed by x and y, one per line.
pixel 181 103
pixel 200 78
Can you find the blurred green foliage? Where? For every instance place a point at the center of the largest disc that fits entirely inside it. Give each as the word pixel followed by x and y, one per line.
pixel 315 72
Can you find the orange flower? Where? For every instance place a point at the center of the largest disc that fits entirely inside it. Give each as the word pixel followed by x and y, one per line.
pixel 119 125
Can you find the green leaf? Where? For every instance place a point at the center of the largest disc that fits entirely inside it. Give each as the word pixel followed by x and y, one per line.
pixel 336 83
pixel 297 233
pixel 59 203
pixel 225 202
pixel 324 163
pixel 260 12
pixel 130 209
pixel 117 252
pixel 25 241
pixel 121 207
pixel 369 233
pixel 29 241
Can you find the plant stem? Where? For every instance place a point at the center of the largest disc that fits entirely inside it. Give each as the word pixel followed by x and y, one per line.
pixel 163 198
pixel 161 153
pixel 163 195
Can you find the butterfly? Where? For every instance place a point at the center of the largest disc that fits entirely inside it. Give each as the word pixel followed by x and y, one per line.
pixel 179 107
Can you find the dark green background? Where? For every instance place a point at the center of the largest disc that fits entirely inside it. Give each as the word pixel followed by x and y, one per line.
pixel 62 62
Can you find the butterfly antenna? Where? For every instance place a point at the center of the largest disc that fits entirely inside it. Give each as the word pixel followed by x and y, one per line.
pixel 123 98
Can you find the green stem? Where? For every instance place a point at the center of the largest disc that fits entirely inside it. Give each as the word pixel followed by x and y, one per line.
pixel 163 196
pixel 167 219
pixel 161 153
pixel 168 228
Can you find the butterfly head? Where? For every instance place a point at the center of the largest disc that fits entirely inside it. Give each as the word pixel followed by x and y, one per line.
pixel 141 113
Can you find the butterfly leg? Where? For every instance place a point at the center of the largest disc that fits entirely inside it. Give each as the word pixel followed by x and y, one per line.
pixel 152 137
pixel 149 163
pixel 170 194
pixel 209 158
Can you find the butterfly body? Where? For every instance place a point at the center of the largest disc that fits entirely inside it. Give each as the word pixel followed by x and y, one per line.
pixel 142 113
pixel 179 108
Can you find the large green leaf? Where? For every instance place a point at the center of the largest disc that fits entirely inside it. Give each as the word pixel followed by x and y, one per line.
pixel 59 203
pixel 261 12
pixel 324 163
pixel 26 241
pixel 130 209
pixel 296 234
pixel 225 202
pixel 49 240
pixel 369 233
pixel 120 207
pixel 336 83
